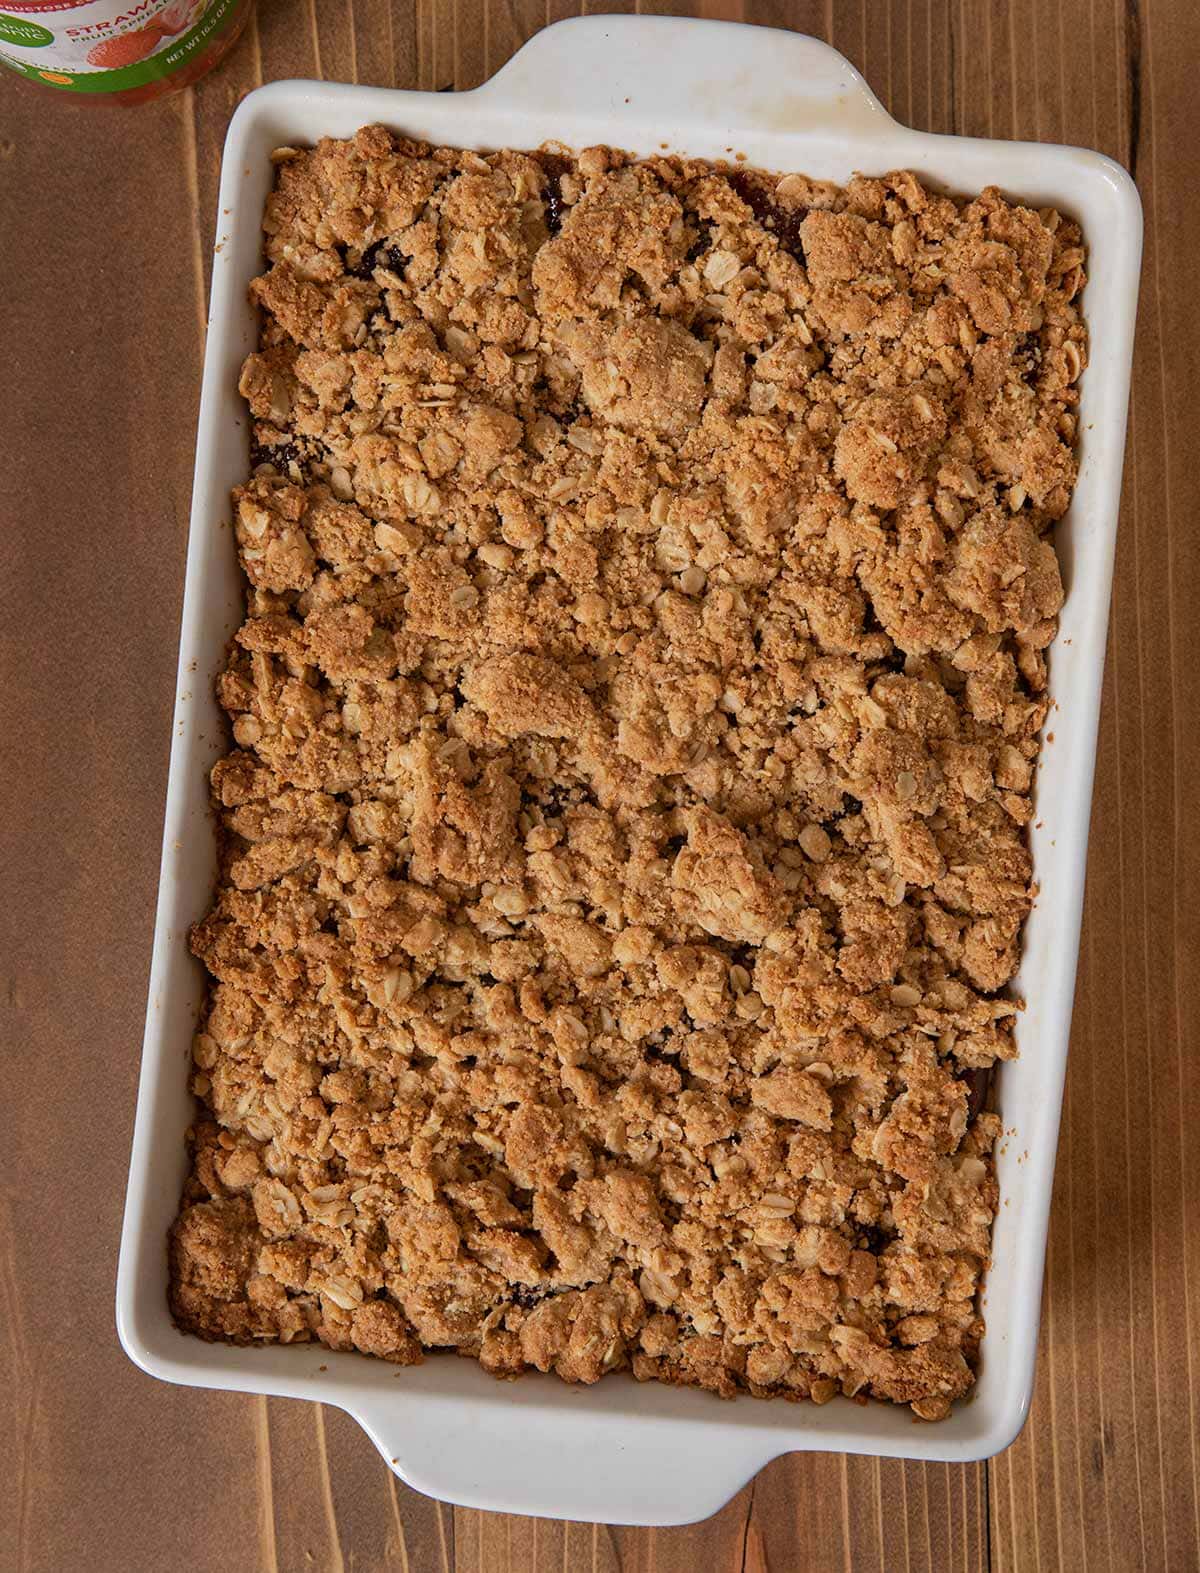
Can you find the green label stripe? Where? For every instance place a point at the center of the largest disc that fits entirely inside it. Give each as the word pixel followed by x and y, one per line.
pixel 152 69
pixel 28 35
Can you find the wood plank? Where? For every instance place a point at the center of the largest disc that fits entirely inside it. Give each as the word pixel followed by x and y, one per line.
pixel 1108 1464
pixel 100 384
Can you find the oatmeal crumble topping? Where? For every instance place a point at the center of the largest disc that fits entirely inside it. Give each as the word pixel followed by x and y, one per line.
pixel 636 710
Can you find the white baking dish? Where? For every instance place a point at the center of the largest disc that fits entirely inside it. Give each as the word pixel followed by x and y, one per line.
pixel 623 1452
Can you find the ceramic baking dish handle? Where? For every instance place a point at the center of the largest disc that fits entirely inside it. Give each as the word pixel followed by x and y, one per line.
pixel 608 1471
pixel 615 67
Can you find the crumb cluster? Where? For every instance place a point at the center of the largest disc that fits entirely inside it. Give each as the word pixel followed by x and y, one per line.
pixel 623 849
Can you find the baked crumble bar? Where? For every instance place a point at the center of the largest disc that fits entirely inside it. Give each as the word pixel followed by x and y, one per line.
pixel 636 710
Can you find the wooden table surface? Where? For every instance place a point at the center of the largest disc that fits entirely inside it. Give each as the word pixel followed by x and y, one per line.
pixel 106 227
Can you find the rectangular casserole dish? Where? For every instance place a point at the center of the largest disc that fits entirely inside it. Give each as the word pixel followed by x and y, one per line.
pixel 624 1452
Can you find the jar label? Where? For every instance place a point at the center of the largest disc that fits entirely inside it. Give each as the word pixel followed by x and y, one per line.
pixel 102 46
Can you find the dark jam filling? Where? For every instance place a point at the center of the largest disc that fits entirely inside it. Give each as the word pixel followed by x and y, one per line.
pixel 383 254
pixel 759 196
pixel 555 168
pixel 279 454
pixel 978 1084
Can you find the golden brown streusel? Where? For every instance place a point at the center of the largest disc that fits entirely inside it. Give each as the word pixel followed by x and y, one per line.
pixel 636 711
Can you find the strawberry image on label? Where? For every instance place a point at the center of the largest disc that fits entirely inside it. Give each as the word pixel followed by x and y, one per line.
pixel 125 49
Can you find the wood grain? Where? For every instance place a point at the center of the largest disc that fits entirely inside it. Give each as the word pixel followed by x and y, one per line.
pixel 106 227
